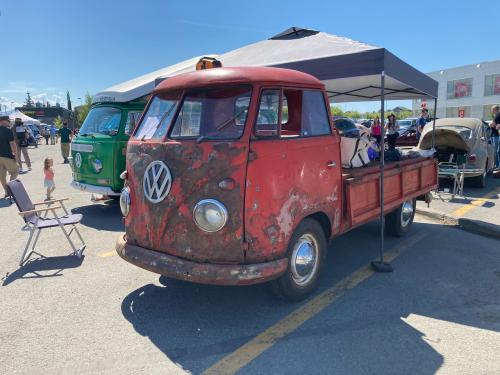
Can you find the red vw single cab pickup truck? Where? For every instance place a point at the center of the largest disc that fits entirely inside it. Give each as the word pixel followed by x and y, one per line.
pixel 234 177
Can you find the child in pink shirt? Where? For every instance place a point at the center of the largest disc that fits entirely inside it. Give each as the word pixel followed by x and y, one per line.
pixel 48 181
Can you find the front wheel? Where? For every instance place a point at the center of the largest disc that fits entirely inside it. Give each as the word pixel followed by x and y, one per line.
pixel 306 256
pixel 398 222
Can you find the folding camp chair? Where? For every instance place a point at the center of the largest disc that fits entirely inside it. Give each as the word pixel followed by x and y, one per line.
pixel 35 222
pixel 455 171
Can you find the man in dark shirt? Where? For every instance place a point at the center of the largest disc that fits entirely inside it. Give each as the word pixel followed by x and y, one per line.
pixel 422 120
pixel 66 136
pixel 7 153
pixel 495 128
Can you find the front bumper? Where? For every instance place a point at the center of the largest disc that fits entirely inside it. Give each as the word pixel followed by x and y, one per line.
pixel 203 273
pixel 96 189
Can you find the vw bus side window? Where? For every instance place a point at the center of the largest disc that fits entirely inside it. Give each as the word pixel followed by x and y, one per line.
pixel 132 118
pixel 158 116
pixel 267 117
pixel 213 113
pixel 314 114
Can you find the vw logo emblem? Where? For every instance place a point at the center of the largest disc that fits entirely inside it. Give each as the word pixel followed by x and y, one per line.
pixel 157 181
pixel 78 160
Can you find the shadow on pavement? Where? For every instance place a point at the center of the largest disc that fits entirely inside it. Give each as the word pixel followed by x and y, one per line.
pixel 195 325
pixel 43 267
pixel 101 216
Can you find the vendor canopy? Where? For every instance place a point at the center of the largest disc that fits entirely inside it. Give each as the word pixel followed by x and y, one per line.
pixel 25 119
pixel 350 70
pixel 143 85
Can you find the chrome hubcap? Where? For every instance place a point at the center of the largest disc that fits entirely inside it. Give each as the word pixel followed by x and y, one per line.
pixel 304 259
pixel 406 212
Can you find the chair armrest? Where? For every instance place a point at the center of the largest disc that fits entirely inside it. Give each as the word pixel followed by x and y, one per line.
pixel 50 202
pixel 35 211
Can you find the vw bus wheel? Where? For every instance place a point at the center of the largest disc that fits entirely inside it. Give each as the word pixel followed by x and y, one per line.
pixel 306 256
pixel 479 181
pixel 399 221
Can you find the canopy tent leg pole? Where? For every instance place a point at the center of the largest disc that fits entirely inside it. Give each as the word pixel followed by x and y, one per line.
pixel 380 265
pixel 434 122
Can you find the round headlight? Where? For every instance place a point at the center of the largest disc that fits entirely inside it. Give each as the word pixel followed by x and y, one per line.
pixel 97 165
pixel 125 201
pixel 210 215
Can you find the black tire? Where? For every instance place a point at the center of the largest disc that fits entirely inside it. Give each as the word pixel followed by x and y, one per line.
pixel 297 284
pixel 399 221
pixel 479 181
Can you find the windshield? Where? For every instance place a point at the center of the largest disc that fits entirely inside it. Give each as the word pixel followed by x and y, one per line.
pixel 404 124
pixel 102 120
pixel 218 113
pixel 160 112
pixel 464 131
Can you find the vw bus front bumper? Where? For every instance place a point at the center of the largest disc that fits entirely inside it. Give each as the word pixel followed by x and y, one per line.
pixel 203 273
pixel 96 189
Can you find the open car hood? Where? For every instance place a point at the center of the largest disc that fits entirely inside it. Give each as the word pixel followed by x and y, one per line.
pixel 443 137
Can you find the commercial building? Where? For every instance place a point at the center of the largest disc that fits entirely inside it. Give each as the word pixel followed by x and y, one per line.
pixel 465 91
pixel 48 115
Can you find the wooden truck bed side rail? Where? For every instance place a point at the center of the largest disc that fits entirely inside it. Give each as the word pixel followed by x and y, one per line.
pixel 406 179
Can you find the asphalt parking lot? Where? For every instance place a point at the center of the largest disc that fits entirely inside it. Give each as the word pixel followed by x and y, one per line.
pixel 438 312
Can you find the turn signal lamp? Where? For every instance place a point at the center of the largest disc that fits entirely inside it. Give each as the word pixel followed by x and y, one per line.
pixel 208 63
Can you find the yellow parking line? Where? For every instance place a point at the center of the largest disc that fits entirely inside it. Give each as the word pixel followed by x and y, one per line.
pixel 107 254
pixel 459 212
pixel 252 349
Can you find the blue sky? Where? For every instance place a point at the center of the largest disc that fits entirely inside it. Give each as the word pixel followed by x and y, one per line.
pixel 53 46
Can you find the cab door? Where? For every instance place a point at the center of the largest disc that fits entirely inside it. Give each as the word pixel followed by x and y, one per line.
pixel 293 169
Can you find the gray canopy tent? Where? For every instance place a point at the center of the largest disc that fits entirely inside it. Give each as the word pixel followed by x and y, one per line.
pixel 351 71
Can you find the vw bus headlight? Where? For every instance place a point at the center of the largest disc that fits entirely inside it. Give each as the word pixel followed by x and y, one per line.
pixel 125 201
pixel 97 165
pixel 210 215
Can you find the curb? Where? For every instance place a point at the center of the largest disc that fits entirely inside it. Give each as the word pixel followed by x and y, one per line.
pixel 468 225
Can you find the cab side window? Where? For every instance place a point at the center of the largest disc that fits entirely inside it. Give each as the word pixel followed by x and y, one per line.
pixel 267 117
pixel 314 114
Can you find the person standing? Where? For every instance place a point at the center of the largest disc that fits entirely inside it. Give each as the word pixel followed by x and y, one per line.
pixel 377 129
pixel 495 133
pixel 46 135
pixel 66 136
pixel 52 132
pixel 8 153
pixel 392 128
pixel 422 120
pixel 22 144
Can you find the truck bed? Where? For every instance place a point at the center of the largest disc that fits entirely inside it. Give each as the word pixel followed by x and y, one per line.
pixel 405 179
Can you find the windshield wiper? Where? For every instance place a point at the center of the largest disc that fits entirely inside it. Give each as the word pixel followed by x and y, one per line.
pixel 227 122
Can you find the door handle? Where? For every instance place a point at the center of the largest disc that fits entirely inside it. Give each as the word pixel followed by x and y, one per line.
pixel 331 164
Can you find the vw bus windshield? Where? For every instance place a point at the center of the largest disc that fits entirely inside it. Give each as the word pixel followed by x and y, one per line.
pixel 102 120
pixel 212 113
pixel 158 116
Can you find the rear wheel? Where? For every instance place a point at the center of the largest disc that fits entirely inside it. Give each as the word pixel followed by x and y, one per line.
pixel 479 181
pixel 306 256
pixel 399 221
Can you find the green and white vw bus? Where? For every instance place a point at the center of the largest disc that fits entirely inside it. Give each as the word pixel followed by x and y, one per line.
pixel 98 151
